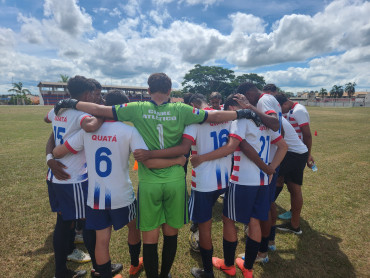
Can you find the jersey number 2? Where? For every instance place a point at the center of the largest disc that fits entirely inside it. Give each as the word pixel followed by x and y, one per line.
pixel 102 155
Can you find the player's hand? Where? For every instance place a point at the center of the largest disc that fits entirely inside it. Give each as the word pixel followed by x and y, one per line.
pixel 195 160
pixel 141 155
pixel 58 169
pixel 182 160
pixel 65 103
pixel 248 114
pixel 242 101
pixel 270 178
pixel 269 170
pixel 310 161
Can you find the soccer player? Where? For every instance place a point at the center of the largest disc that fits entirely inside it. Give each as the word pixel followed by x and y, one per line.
pixel 215 100
pixel 247 199
pixel 270 89
pixel 270 106
pixel 111 200
pixel 162 192
pixel 298 117
pixel 67 193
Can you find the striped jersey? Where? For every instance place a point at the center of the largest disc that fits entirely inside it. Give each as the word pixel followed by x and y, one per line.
pixel 207 137
pixel 269 105
pixel 245 172
pixel 65 125
pixel 298 116
pixel 291 138
pixel 107 152
pixel 162 127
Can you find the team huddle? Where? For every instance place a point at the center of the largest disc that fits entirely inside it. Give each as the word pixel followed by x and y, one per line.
pixel 244 153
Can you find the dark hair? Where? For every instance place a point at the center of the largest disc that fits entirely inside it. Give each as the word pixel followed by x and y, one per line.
pixel 230 102
pixel 281 98
pixel 187 98
pixel 96 83
pixel 197 99
pixel 115 97
pixel 159 83
pixel 215 95
pixel 245 87
pixel 78 85
pixel 270 87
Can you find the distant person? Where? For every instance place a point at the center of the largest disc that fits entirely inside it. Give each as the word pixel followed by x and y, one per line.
pixel 215 100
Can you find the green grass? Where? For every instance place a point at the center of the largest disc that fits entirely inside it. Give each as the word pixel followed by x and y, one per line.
pixel 335 240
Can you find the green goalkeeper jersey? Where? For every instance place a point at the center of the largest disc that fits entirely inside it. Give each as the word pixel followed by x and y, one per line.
pixel 162 127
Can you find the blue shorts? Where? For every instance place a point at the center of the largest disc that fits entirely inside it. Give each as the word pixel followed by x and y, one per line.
pixel 99 219
pixel 201 204
pixel 272 185
pixel 68 199
pixel 242 202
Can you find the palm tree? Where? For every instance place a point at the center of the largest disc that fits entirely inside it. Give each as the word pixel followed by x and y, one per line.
pixel 323 92
pixel 63 78
pixel 350 89
pixel 336 91
pixel 19 90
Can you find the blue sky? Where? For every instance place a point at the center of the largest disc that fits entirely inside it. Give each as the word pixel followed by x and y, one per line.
pixel 298 45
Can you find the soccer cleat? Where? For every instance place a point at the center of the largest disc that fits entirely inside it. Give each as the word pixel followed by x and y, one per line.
pixel 79 239
pixel 246 272
pixel 75 273
pixel 262 260
pixel 79 256
pixel 114 267
pixel 272 247
pixel 220 264
pixel 200 273
pixel 287 227
pixel 135 269
pixel 118 276
pixel 194 241
pixel 286 215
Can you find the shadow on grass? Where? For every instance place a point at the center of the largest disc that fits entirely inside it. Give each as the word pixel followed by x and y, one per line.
pixel 316 254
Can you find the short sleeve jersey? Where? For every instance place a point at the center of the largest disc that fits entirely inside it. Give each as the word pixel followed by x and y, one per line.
pixel 107 152
pixel 245 172
pixel 269 105
pixel 298 117
pixel 64 125
pixel 162 127
pixel 291 138
pixel 210 175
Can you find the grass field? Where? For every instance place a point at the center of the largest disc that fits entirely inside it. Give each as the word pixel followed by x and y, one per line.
pixel 335 223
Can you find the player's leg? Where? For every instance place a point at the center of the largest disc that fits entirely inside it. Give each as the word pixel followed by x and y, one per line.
pixel 150 216
pixel 134 245
pixel 296 201
pixel 175 207
pixel 102 252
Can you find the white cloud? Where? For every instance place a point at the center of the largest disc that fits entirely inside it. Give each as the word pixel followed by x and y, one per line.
pixel 115 12
pixel 246 24
pixel 159 18
pixel 7 39
pixel 132 8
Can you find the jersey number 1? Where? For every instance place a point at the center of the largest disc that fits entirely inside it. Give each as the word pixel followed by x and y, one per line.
pixel 160 135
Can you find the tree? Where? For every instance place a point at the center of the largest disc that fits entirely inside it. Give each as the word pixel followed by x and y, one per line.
pixel 336 91
pixel 206 79
pixel 323 92
pixel 289 94
pixel 254 78
pixel 20 91
pixel 63 78
pixel 350 89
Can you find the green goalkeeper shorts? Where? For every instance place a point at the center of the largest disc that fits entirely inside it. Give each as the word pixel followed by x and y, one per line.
pixel 160 203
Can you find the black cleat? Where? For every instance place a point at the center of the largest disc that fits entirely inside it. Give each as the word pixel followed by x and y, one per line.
pixel 115 269
pixel 200 273
pixel 75 273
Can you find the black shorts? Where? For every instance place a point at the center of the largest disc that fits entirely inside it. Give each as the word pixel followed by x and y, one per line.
pixel 292 167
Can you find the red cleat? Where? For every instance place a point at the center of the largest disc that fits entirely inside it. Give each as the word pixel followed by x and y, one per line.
pixel 246 272
pixel 135 269
pixel 220 264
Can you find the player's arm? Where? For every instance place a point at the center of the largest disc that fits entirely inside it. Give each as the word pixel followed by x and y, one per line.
pixel 87 107
pixel 46 119
pixel 252 154
pixel 56 167
pixel 281 151
pixel 182 149
pixel 271 120
pixel 91 124
pixel 158 163
pixel 229 148
pixel 307 140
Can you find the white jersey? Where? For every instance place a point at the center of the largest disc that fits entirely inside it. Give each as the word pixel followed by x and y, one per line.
pixel 107 152
pixel 207 137
pixel 291 138
pixel 269 105
pixel 64 125
pixel 298 117
pixel 245 172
